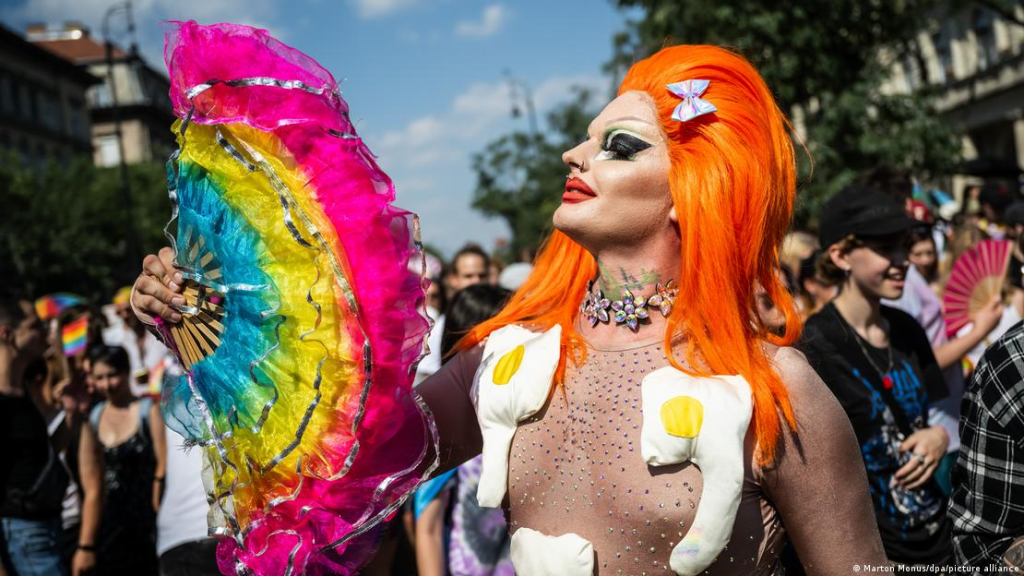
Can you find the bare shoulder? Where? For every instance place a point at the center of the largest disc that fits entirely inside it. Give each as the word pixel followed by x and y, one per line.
pixel 822 426
pixel 817 411
pixel 802 383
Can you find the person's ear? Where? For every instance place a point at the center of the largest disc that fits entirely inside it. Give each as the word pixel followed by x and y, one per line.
pixel 839 257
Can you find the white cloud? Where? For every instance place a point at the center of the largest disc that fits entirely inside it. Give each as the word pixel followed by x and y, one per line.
pixel 429 158
pixel 493 18
pixel 557 90
pixel 417 133
pixel 369 9
pixel 473 119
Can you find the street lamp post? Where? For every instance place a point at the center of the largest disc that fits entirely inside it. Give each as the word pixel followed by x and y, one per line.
pixel 517 87
pixel 131 237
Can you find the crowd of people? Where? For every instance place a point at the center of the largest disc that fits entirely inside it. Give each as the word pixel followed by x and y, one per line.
pixel 938 415
pixel 95 483
pixel 884 437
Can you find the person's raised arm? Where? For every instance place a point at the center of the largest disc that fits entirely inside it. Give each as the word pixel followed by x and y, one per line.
pixel 447 393
pixel 983 322
pixel 156 290
pixel 818 483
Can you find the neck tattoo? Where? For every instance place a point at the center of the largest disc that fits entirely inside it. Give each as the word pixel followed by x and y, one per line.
pixel 631 310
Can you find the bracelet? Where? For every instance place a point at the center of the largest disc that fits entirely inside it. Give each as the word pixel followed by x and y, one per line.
pixel 87 547
pixel 158 479
pixel 131 302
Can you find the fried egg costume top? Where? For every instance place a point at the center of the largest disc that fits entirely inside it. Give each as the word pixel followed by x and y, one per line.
pixel 606 473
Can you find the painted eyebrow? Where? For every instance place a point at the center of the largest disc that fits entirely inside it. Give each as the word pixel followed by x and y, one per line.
pixel 611 123
pixel 624 118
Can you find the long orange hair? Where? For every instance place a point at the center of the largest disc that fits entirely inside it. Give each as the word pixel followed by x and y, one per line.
pixel 732 182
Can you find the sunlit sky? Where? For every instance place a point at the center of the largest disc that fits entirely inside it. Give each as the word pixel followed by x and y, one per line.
pixel 425 79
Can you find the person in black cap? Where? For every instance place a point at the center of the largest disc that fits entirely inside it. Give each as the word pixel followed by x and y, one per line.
pixel 879 364
pixel 1014 217
pixel 994 200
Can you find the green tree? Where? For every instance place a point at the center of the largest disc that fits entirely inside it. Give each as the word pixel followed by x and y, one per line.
pixel 520 176
pixel 64 227
pixel 821 58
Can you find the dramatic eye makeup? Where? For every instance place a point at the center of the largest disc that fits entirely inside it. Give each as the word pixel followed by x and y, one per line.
pixel 621 144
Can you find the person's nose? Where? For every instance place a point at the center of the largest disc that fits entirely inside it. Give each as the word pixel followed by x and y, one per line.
pixel 575 159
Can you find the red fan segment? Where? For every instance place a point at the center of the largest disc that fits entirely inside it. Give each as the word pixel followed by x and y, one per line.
pixel 977 277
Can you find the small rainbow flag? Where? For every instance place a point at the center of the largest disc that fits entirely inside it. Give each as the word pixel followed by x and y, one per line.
pixel 156 377
pixel 73 335
pixel 51 305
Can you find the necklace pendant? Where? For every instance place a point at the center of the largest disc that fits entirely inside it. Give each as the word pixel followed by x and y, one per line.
pixel 630 310
pixel 887 382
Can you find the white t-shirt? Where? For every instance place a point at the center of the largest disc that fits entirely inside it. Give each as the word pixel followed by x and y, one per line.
pixel 1009 318
pixel 71 505
pixel 182 516
pixel 431 362
pixel 152 355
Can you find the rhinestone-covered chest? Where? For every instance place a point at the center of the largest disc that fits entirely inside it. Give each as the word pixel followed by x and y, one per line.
pixel 576 467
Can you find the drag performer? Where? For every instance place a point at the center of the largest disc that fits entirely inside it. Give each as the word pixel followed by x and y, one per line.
pixel 634 415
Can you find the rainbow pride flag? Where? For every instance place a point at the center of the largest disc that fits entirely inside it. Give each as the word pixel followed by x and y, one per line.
pixel 73 336
pixel 51 305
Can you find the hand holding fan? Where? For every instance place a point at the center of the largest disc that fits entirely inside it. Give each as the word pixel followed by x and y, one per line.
pixel 300 327
pixel 976 278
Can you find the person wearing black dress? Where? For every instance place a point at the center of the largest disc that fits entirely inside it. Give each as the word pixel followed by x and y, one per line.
pixel 131 432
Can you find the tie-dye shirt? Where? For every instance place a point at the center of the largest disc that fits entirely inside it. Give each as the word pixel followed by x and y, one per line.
pixel 479 544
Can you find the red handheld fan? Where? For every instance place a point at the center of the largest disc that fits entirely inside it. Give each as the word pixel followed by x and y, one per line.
pixel 976 278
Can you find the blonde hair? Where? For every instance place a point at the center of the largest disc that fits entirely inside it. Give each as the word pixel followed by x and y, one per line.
pixel 797 247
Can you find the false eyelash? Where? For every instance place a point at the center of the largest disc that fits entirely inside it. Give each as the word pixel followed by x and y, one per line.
pixel 620 146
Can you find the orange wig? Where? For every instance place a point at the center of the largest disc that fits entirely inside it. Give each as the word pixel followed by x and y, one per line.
pixel 732 182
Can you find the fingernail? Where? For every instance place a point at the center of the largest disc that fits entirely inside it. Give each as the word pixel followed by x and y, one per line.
pixel 175 317
pixel 178 277
pixel 178 301
pixel 173 286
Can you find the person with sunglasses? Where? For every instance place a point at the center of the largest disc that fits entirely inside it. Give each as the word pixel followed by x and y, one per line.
pixel 879 364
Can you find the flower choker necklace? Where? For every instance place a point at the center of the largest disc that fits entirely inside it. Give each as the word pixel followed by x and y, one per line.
pixel 630 310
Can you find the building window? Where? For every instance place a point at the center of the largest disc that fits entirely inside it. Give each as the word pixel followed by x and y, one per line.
pixel 911 73
pixel 943 43
pixel 99 95
pixel 25 107
pixel 109 152
pixel 6 94
pixel 985 36
pixel 50 114
pixel 79 121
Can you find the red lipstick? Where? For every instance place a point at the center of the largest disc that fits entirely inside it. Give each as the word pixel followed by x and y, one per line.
pixel 576 190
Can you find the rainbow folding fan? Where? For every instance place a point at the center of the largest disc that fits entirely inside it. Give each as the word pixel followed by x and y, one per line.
pixel 301 325
pixel 977 276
